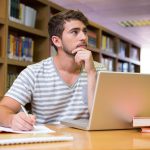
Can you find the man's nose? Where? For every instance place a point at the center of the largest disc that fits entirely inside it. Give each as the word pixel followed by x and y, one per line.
pixel 83 36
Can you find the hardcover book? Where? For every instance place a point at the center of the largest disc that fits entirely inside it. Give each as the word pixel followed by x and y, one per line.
pixel 141 121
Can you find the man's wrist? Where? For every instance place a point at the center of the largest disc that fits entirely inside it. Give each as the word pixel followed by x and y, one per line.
pixel 10 120
pixel 92 72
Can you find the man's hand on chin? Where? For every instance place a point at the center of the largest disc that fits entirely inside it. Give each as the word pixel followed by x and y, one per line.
pixel 84 57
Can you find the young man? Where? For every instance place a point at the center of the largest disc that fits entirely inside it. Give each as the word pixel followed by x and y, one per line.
pixel 59 87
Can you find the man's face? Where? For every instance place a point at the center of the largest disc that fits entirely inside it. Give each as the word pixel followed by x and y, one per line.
pixel 74 36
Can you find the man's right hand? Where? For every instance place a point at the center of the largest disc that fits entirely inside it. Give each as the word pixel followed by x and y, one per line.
pixel 22 122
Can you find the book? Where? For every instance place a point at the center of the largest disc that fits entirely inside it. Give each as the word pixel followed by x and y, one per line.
pixel 92 38
pixel 30 16
pixel 145 130
pixel 8 139
pixel 141 121
pixel 134 53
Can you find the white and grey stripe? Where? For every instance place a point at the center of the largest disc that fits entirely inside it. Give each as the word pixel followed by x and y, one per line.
pixel 51 98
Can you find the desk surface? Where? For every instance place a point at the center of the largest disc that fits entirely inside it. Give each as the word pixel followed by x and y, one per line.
pixel 95 140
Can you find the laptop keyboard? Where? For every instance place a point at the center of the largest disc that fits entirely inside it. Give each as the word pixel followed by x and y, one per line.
pixel 78 122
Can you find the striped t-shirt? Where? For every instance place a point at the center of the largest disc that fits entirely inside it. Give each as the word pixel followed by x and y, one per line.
pixel 52 99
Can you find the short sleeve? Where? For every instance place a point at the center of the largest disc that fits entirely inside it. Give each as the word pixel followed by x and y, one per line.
pixel 23 87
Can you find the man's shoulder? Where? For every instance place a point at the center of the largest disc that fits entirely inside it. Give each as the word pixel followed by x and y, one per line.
pixel 41 64
pixel 41 67
pixel 99 66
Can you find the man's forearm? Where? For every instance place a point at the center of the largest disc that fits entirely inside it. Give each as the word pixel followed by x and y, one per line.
pixel 6 116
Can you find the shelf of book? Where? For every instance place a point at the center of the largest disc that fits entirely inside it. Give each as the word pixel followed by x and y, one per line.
pixel 109 54
pixel 135 62
pixel 18 63
pixel 23 21
pixel 105 45
pixel 121 58
pixel 93 35
pixel 26 29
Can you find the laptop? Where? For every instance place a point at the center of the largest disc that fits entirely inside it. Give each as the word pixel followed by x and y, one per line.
pixel 118 98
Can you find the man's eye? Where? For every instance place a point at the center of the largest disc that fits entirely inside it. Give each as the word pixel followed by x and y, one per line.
pixel 85 31
pixel 75 32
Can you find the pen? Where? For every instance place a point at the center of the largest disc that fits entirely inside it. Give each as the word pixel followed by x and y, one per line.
pixel 25 111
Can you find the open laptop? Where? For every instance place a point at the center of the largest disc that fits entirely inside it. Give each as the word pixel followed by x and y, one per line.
pixel 118 98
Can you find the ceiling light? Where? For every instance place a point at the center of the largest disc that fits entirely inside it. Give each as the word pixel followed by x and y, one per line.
pixel 134 23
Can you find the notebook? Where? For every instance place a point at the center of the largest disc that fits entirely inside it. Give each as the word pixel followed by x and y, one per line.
pixel 118 98
pixel 37 129
pixel 7 139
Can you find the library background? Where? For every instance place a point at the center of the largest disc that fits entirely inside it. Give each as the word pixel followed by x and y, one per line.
pixel 24 40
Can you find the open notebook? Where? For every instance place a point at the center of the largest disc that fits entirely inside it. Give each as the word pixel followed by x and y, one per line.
pixel 37 129
pixel 40 134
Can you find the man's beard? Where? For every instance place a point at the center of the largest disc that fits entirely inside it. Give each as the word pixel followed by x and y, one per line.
pixel 69 52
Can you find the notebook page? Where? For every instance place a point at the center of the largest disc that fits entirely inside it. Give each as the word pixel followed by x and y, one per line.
pixel 37 129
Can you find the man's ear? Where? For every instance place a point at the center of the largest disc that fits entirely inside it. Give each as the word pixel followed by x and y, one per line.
pixel 56 41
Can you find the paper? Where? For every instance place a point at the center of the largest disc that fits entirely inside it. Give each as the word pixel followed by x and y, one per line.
pixel 37 129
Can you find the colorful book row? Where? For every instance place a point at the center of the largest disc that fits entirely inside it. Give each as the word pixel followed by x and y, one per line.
pixel 20 48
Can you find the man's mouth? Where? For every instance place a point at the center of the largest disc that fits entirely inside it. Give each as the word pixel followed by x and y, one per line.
pixel 82 45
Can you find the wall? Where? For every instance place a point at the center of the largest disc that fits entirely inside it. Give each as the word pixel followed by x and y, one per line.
pixel 145 59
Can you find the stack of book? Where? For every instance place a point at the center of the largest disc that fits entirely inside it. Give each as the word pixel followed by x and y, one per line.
pixel 20 13
pixel 143 123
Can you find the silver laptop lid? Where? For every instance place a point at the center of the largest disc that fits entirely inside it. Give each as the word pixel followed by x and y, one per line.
pixel 118 98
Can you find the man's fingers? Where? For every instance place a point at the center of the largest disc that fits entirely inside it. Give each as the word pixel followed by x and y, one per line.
pixel 23 122
pixel 78 49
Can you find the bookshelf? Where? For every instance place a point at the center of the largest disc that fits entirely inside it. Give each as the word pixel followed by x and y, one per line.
pixel 11 24
pixel 112 50
pixel 106 46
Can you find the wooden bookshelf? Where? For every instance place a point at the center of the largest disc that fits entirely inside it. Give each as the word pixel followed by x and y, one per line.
pixel 2 21
pixel 107 46
pixel 38 33
pixel 18 63
pixel 1 60
pixel 98 35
